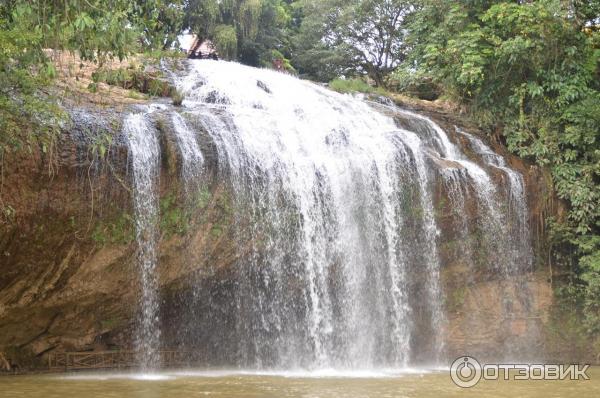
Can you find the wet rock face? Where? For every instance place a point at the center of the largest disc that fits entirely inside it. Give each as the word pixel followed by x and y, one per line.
pixel 68 255
pixel 68 272
pixel 493 320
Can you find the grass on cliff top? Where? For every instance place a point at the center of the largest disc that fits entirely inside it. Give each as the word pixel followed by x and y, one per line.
pixel 133 80
pixel 355 85
pixel 358 85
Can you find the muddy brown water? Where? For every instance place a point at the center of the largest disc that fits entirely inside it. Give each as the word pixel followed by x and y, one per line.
pixel 421 384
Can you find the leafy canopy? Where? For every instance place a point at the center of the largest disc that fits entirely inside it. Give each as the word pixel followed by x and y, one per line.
pixel 338 37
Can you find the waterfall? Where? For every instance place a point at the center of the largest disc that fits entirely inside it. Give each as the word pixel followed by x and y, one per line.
pixel 337 165
pixel 511 236
pixel 189 149
pixel 518 232
pixel 456 181
pixel 144 150
pixel 335 205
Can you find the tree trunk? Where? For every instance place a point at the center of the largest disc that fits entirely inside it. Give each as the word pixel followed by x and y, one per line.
pixel 377 77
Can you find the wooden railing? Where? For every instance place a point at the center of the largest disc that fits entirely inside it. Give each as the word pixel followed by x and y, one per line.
pixel 112 360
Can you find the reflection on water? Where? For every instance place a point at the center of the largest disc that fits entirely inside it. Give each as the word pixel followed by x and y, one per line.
pixel 410 383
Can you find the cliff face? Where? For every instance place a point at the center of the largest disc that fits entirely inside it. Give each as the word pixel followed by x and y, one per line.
pixel 69 275
pixel 68 270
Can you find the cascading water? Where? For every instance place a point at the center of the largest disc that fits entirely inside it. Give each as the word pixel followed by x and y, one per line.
pixel 144 150
pixel 517 205
pixel 337 163
pixel 508 228
pixel 335 208
pixel 191 156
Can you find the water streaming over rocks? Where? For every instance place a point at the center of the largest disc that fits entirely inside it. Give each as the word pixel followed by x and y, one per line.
pixel 516 217
pixel 191 156
pixel 145 155
pixel 335 207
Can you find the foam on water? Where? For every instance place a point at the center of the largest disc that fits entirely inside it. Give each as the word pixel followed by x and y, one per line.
pixel 227 373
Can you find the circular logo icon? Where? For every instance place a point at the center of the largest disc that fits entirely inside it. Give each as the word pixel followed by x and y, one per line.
pixel 465 372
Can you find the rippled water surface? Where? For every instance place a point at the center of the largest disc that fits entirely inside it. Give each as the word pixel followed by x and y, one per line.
pixel 324 384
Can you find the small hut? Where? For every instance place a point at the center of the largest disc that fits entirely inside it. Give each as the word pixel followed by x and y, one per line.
pixel 202 49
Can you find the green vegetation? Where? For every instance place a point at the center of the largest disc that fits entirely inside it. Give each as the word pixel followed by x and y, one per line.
pixel 224 211
pixel 244 30
pixel 355 85
pixel 174 219
pixel 94 29
pixel 203 198
pixel 567 321
pixel 338 37
pixel 456 299
pixel 177 97
pixel 101 144
pixel 177 215
pixel 529 73
pixel 26 118
pixel 133 78
pixel 119 231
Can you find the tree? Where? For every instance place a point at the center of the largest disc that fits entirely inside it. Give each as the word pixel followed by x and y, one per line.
pixel 311 54
pixel 247 30
pixel 372 32
pixel 160 21
pixel 364 36
pixel 201 17
pixel 23 70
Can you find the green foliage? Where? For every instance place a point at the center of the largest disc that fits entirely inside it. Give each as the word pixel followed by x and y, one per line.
pixel 203 198
pixel 338 37
pixel 354 86
pixel 566 321
pixel 416 83
pixel 248 17
pixel 155 55
pixel 244 30
pixel 26 118
pixel 216 231
pixel 101 145
pixel 456 299
pixel 94 29
pixel 201 16
pixel 120 231
pixel 177 97
pixel 160 22
pixel 278 57
pixel 224 209
pixel 225 205
pixel 225 38
pixel 97 29
pixel 132 78
pixel 312 56
pixel 529 70
pixel 173 218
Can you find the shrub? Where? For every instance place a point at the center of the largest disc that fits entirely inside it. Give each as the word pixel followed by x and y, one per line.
pixel 177 97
